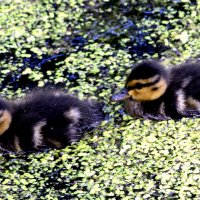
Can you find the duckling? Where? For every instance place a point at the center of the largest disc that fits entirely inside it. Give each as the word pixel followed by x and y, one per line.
pixel 45 118
pixel 153 92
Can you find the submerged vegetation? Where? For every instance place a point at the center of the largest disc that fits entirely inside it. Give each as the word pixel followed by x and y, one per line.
pixel 88 47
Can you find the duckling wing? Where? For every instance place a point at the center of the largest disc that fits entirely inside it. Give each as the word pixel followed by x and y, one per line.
pixel 186 78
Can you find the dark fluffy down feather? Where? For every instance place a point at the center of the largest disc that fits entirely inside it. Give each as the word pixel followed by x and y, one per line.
pixel 47 118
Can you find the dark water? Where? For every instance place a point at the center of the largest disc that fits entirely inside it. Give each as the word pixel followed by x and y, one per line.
pixel 120 23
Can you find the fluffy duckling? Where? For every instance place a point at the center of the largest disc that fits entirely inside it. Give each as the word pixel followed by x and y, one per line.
pixel 153 92
pixel 45 118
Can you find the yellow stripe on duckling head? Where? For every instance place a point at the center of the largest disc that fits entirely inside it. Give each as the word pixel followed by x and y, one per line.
pixel 150 80
pixel 149 92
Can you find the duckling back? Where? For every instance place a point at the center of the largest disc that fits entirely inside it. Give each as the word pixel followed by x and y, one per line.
pixel 183 93
pixel 49 118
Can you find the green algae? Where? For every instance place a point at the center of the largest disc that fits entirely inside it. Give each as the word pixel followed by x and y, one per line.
pixel 136 160
pixel 124 158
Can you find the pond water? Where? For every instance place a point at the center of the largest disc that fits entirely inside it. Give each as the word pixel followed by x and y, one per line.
pixel 87 47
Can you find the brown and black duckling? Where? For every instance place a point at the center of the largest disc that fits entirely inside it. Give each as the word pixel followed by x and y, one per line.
pixel 153 92
pixel 45 118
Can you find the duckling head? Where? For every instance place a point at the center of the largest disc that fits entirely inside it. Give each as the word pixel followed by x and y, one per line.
pixel 147 81
pixel 5 116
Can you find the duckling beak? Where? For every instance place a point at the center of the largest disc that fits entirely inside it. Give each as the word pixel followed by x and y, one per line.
pixel 122 95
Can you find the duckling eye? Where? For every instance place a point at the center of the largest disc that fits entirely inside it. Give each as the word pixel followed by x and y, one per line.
pixel 138 86
pixel 155 88
pixel 129 88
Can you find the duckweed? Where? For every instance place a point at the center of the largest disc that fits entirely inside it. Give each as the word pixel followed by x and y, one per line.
pixel 88 47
